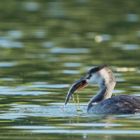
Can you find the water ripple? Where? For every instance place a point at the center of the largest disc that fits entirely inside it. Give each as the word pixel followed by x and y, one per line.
pixel 8 43
pixel 71 72
pixel 8 64
pixel 69 50
pixel 54 110
pixel 46 85
pixel 72 64
pixel 5 90
pixel 64 131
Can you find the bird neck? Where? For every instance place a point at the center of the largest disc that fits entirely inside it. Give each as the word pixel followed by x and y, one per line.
pixel 104 92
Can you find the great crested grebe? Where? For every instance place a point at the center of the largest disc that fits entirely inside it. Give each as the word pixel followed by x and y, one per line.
pixel 103 102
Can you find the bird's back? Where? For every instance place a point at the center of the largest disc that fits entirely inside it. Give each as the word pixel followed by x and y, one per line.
pixel 122 104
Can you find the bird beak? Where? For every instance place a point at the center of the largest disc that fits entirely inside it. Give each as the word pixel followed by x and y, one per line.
pixel 76 86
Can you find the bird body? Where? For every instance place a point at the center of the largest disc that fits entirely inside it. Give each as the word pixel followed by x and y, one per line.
pixel 103 102
pixel 121 104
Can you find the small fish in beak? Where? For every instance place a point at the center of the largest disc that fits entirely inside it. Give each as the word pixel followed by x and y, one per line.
pixel 76 86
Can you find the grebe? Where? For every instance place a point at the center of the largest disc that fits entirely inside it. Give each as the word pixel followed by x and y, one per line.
pixel 104 102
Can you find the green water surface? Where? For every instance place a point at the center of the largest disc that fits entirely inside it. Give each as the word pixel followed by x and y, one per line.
pixel 46 45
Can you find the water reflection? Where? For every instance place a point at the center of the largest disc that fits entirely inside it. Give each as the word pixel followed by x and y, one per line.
pixel 130 47
pixel 45 46
pixel 71 72
pixel 40 33
pixel 46 85
pixel 31 6
pixel 131 17
pixel 72 64
pixel 102 38
pixel 53 110
pixel 5 90
pixel 8 64
pixel 69 50
pixel 48 44
pixel 63 131
pixel 55 9
pixel 8 43
pixel 15 34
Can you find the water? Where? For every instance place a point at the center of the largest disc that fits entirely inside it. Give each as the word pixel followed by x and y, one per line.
pixel 47 45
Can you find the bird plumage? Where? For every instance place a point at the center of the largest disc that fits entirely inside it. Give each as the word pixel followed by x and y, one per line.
pixel 121 104
pixel 103 102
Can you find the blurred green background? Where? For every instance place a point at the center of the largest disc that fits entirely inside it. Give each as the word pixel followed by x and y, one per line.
pixel 45 45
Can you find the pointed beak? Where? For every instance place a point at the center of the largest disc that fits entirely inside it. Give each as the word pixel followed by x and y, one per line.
pixel 76 86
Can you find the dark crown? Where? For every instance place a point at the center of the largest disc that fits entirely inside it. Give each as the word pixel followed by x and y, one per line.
pixel 95 69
